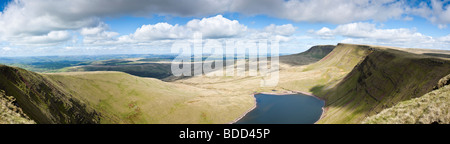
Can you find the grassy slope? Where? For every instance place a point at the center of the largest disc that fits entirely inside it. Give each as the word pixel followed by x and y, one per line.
pixel 328 71
pixel 41 99
pixel 430 108
pixel 382 79
pixel 123 98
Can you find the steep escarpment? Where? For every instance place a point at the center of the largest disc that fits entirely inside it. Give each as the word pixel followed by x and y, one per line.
pixel 42 99
pixel 382 79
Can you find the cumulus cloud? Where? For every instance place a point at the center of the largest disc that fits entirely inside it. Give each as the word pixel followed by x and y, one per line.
pixel 98 34
pixel 436 11
pixel 217 27
pixel 284 30
pixel 281 33
pixel 440 14
pixel 324 33
pixel 335 11
pixel 6 49
pixel 52 38
pixel 369 30
pixel 160 31
pixel 445 38
pixel 31 18
pixel 210 28
pixel 368 33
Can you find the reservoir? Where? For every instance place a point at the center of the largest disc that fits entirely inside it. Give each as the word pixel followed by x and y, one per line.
pixel 284 109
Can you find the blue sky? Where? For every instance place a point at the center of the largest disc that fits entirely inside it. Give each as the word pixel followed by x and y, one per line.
pixel 66 27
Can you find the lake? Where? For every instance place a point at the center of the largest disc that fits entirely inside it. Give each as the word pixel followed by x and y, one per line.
pixel 284 109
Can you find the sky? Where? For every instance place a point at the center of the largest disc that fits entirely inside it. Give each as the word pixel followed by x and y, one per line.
pixel 87 27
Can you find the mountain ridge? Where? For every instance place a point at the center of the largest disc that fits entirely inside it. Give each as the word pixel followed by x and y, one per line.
pixel 382 79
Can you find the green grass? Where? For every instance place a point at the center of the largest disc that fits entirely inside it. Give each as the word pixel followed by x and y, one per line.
pixel 433 107
pixel 384 78
pixel 152 100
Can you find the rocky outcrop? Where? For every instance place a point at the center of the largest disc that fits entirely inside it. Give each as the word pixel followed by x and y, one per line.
pixel 10 113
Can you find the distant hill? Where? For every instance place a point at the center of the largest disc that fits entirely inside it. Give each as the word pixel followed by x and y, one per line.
pixel 153 70
pixel 312 55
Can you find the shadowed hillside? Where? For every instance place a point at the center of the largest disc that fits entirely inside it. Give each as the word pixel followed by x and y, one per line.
pixel 382 79
pixel 41 99
pixel 153 70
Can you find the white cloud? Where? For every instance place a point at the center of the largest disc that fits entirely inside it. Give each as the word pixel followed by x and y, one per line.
pixel 369 30
pixel 161 35
pixel 6 49
pixel 52 38
pixel 324 33
pixel 87 31
pixel 335 11
pixel 97 35
pixel 433 10
pixel 439 14
pixel 445 38
pixel 212 27
pixel 368 33
pixel 32 18
pixel 160 31
pixel 217 27
pixel 284 30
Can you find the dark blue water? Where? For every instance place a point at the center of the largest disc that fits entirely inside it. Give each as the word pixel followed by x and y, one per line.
pixel 284 109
